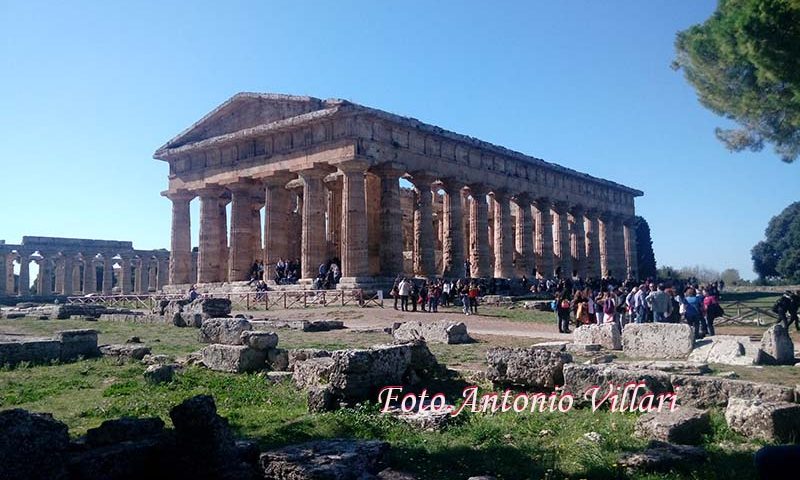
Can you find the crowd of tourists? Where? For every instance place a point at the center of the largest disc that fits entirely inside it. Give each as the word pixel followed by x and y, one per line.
pixel 606 302
pixel 411 295
pixel 287 271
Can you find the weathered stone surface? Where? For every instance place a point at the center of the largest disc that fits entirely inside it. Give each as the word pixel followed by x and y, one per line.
pixel 670 366
pixel 297 355
pixel 137 458
pixel 278 359
pixel 14 350
pixel 390 474
pixel 151 359
pixel 556 346
pixel 78 344
pixel 325 459
pixel 304 325
pixel 526 367
pixel 661 456
pixel 579 378
pixel 192 314
pixel 427 420
pixel 607 335
pixel 723 349
pixel 125 351
pixel 227 331
pixel 159 373
pixel 433 332
pixel 777 347
pixel 233 358
pixel 684 425
pixel 32 446
pixel 771 421
pixel 583 347
pixel 123 430
pixel 657 340
pixel 607 358
pixel 313 371
pixel 705 392
pixel 278 377
pixel 259 340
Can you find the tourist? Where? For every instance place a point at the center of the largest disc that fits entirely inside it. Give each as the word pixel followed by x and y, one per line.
pixel 591 305
pixel 563 308
pixel 434 293
pixel 447 287
pixel 413 297
pixel 473 298
pixel 713 311
pixel 580 305
pixel 336 273
pixel 192 293
pixel 609 307
pixel 404 289
pixel 630 303
pixel 464 294
pixel 787 303
pixel 659 302
pixel 395 291
pixel 693 304
pixel 467 269
pixel 423 296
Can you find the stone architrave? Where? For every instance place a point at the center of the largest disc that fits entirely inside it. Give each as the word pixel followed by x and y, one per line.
pixel 503 241
pixel 355 259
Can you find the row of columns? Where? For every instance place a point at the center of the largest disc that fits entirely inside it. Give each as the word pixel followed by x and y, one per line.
pixel 335 220
pixel 67 275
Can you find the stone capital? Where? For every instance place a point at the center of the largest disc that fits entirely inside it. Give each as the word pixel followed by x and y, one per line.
pixel 423 179
pixel 353 166
pixel 278 179
pixel 522 199
pixel 560 207
pixel 629 221
pixel 317 171
pixel 577 210
pixel 451 185
pixel 388 169
pixel 542 203
pixel 478 189
pixel 591 213
pixel 209 191
pixel 179 195
pixel 499 194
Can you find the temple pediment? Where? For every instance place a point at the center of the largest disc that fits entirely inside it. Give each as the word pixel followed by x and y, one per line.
pixel 245 110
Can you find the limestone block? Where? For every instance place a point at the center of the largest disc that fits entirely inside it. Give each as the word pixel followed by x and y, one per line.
pixel 233 358
pixel 125 351
pixel 706 392
pixel 78 343
pixel 777 347
pixel 661 456
pixel 607 335
pixel 297 355
pixel 722 349
pixel 684 425
pixel 227 331
pixel 32 446
pixel 670 366
pixel 313 371
pixel 579 378
pixel 526 367
pixel 657 340
pixel 32 350
pixel 555 346
pixel 330 459
pixel 259 340
pixel 278 359
pixel 159 373
pixel 433 332
pixel 771 421
pixel 123 430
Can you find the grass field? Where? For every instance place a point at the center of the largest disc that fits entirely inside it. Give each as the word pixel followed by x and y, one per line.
pixel 510 446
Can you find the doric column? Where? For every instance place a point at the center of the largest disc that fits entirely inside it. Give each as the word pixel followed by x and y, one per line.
pixel 44 287
pixel 24 274
pixel 8 277
pixel 523 241
pixel 180 259
pixel 224 251
pixel 163 273
pixel 108 273
pixel 355 249
pixel 4 274
pixel 424 253
pixel 256 204
pixel 605 242
pixel 141 274
pixel 58 267
pixel 577 240
pixel 312 249
pixel 208 260
pixel 125 276
pixel 391 220
pixel 278 208
pixel 618 248
pixel 545 261
pixel 67 285
pixel 466 236
pixel 561 246
pixel 593 265
pixel 372 188
pixel 241 254
pixel 631 255
pixel 89 274
pixel 452 230
pixel 503 242
pixel 152 274
pixel 334 227
pixel 479 230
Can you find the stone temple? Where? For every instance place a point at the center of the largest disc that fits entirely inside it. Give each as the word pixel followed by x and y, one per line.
pixel 327 174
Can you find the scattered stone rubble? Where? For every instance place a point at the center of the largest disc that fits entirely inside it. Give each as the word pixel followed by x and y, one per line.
pixel 302 325
pixel 432 332
pixel 766 420
pixel 67 346
pixel 661 456
pixel 185 313
pixel 61 311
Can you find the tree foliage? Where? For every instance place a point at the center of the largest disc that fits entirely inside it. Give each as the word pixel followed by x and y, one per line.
pixel 730 276
pixel 645 257
pixel 778 255
pixel 744 63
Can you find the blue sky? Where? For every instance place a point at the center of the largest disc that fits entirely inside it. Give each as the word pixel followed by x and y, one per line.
pixel 89 90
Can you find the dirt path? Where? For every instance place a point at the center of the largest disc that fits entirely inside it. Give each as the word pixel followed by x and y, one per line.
pixel 373 317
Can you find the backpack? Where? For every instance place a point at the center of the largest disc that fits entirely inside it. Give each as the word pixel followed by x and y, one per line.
pixel 565 304
pixel 608 306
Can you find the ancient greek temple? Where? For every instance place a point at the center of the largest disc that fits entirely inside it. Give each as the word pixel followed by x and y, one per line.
pixel 72 266
pixel 327 176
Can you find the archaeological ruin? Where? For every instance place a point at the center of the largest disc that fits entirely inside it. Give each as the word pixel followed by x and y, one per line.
pixel 114 267
pixel 327 173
